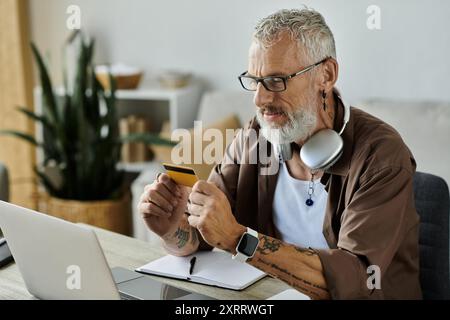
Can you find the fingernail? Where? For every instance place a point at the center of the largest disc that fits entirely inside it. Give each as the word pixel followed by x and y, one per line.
pixel 170 207
pixel 175 203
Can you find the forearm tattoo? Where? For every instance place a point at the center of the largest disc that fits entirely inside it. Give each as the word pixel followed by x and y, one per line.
pixel 294 280
pixel 268 245
pixel 306 251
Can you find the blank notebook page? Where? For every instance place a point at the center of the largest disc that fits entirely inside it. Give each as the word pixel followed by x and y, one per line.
pixel 211 267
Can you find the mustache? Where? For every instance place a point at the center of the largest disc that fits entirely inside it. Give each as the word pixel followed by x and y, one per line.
pixel 272 109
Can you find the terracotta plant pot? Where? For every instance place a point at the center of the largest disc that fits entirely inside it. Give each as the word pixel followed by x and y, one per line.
pixel 113 215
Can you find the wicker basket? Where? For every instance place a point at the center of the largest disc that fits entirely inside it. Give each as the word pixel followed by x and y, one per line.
pixel 113 215
pixel 123 82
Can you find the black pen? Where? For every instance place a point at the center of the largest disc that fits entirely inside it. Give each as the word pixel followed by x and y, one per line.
pixel 192 262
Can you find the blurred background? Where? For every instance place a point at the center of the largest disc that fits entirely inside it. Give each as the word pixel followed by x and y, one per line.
pixel 405 59
pixel 183 59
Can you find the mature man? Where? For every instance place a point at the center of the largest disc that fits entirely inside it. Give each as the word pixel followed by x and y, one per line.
pixel 323 232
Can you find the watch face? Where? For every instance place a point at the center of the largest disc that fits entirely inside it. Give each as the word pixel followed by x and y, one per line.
pixel 248 244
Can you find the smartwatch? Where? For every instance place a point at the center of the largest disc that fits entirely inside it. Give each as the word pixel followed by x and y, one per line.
pixel 247 245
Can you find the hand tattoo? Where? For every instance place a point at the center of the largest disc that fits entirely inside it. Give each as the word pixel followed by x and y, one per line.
pixel 182 236
pixel 194 237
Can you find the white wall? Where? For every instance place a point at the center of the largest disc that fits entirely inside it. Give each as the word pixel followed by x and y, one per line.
pixel 406 59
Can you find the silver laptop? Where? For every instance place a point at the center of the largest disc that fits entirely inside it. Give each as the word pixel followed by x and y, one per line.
pixel 63 260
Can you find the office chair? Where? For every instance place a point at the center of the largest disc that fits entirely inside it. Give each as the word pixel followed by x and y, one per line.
pixel 432 204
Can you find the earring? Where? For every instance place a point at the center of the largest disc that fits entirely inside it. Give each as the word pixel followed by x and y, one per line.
pixel 324 96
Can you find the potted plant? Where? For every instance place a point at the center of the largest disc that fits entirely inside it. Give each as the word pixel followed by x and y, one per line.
pixel 81 147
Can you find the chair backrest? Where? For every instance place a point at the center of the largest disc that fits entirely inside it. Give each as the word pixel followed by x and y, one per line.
pixel 4 183
pixel 432 204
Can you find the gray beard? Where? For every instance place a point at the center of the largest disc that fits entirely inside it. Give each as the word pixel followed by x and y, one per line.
pixel 299 126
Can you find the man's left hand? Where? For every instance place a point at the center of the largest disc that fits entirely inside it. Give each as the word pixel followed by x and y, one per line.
pixel 211 215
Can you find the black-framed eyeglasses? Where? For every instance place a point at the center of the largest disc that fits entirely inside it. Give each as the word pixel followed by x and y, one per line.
pixel 272 83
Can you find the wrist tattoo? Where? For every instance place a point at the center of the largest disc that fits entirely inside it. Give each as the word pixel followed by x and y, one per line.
pixel 269 245
pixel 182 237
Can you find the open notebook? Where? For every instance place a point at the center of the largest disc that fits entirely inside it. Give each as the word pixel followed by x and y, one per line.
pixel 213 268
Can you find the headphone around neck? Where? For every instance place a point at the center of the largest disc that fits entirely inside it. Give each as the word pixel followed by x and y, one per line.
pixel 322 150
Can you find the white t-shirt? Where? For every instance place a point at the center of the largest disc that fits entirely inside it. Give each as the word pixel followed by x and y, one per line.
pixel 296 222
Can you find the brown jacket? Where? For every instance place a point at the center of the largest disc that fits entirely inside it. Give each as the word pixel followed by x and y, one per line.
pixel 370 216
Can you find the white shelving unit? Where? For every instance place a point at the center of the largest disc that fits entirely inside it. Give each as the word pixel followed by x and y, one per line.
pixel 183 102
pixel 182 105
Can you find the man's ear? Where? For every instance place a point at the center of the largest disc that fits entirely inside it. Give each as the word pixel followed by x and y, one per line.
pixel 330 71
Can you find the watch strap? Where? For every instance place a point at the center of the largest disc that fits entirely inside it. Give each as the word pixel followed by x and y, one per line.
pixel 240 256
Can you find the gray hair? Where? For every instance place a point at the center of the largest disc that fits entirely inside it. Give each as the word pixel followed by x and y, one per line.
pixel 307 26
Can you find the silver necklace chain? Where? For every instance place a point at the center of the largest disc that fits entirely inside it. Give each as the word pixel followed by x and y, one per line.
pixel 309 202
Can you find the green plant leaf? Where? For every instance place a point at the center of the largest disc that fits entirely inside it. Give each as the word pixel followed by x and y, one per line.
pixel 30 139
pixel 47 183
pixel 50 149
pixel 22 136
pixel 79 104
pixel 33 116
pixel 49 108
pixel 90 50
pixel 49 105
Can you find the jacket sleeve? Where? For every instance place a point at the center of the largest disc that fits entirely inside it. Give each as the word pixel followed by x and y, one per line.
pixel 225 175
pixel 373 225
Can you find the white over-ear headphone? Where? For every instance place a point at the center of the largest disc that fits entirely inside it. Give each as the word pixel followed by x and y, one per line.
pixel 320 151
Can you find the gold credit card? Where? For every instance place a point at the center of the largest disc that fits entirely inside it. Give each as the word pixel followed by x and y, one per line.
pixel 184 176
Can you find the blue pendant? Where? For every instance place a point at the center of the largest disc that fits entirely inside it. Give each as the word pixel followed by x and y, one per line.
pixel 309 202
